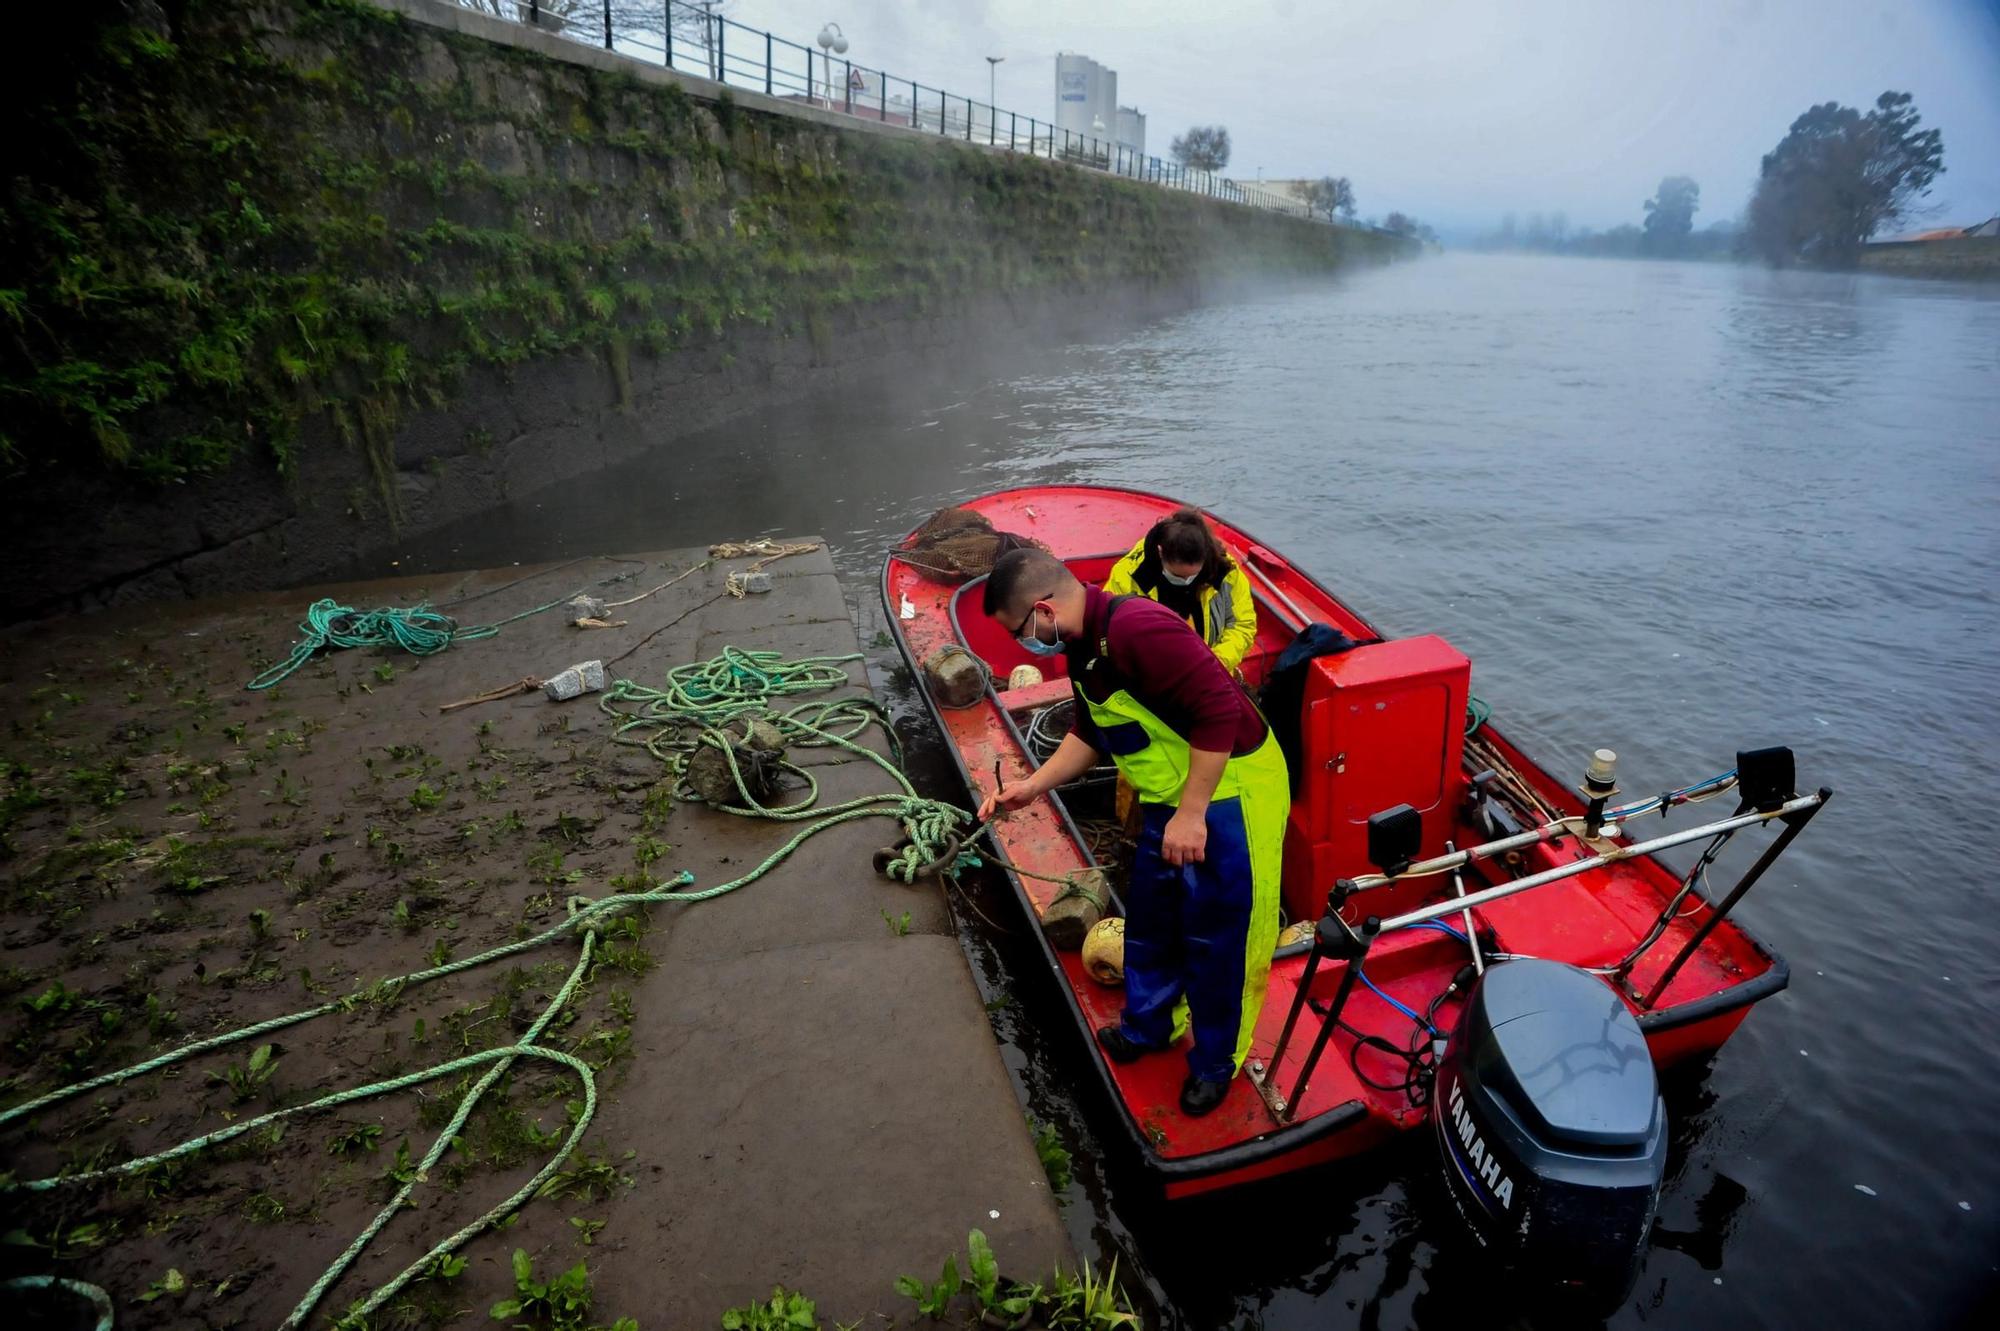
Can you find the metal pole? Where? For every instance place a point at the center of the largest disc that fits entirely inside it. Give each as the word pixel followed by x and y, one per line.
pixel 1014 130
pixel 1298 1002
pixel 1370 927
pixel 1547 876
pixel 882 94
pixel 670 33
pixel 607 25
pixel 535 12
pixel 1471 934
pixel 1771 852
pixel 847 93
pixel 767 64
pixel 968 120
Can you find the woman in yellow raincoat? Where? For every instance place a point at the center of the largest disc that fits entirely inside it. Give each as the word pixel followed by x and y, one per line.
pixel 1181 564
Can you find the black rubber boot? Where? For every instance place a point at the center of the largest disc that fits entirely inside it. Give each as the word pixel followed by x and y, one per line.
pixel 1122 1047
pixel 1200 1096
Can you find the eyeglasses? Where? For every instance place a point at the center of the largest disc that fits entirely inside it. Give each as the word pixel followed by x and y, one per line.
pixel 1021 628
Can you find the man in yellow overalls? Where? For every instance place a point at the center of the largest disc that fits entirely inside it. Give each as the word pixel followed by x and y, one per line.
pixel 1202 907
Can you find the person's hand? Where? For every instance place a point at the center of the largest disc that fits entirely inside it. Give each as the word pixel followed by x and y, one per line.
pixel 1185 840
pixel 1009 798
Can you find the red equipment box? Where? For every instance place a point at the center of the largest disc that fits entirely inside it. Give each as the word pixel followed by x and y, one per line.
pixel 1382 725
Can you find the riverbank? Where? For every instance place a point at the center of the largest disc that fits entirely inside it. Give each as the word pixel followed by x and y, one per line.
pixel 358 268
pixel 794 1083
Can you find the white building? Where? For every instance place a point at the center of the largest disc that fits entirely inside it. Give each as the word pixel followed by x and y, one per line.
pixel 1087 104
pixel 1132 129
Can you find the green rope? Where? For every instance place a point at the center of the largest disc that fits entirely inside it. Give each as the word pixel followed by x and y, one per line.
pixel 674 720
pixel 1476 711
pixel 99 1301
pixel 418 630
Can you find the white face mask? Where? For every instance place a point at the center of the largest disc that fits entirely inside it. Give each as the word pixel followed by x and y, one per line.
pixel 1176 579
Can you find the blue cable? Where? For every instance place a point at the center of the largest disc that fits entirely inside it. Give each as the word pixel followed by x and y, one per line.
pixel 1408 1012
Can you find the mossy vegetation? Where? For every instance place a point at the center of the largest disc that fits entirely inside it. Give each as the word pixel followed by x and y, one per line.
pixel 232 218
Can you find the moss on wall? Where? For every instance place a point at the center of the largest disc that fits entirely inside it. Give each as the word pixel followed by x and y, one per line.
pixel 230 216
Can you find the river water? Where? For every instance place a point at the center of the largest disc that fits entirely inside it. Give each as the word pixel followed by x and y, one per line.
pixel 1673 508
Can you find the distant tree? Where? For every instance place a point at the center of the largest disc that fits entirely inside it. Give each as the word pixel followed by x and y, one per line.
pixel 1670 215
pixel 1202 148
pixel 1402 224
pixel 1331 195
pixel 1838 177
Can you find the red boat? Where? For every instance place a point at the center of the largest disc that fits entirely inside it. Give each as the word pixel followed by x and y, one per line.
pixel 1388 766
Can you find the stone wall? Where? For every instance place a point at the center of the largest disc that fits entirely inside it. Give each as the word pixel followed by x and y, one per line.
pixel 288 277
pixel 1977 259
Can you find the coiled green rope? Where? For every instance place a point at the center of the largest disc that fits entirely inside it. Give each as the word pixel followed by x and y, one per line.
pixel 418 630
pixel 99 1301
pixel 720 689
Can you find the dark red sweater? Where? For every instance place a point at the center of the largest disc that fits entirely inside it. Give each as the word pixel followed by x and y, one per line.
pixel 1163 663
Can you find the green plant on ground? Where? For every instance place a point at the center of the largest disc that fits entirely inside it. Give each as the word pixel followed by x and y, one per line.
pixel 361 1137
pixel 560 1303
pixel 1084 1302
pixel 1087 1302
pixel 589 1178
pixel 787 1310
pixel 172 1284
pixel 898 925
pixel 402 1169
pixel 1054 1156
pixel 161 1020
pixel 64 1242
pixel 52 1002
pixel 385 671
pixel 586 1230
pixel 247 1080
pixel 444 1266
pixel 263 1208
pixel 425 797
pixel 933 1297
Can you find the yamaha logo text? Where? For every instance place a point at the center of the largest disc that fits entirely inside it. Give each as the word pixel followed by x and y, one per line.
pixel 1484 1166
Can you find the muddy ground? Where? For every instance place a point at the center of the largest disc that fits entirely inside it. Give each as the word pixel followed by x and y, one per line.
pixel 797 1084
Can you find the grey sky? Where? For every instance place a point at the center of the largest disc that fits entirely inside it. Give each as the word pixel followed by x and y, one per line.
pixel 1460 110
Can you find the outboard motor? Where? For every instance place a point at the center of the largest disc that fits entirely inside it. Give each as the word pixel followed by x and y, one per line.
pixel 1554 1135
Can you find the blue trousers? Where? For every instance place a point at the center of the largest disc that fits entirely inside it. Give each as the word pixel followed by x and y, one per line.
pixel 1186 929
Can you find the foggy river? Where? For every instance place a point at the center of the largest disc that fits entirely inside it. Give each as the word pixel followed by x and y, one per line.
pixel 1676 509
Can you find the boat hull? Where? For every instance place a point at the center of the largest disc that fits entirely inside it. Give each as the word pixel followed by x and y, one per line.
pixel 1344 1109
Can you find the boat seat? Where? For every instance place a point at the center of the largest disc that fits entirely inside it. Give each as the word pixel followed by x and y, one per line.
pixel 1035 696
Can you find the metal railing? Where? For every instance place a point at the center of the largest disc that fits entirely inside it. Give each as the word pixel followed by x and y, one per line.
pixel 691 39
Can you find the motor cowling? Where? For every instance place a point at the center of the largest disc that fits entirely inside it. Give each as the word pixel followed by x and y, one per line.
pixel 1554 1135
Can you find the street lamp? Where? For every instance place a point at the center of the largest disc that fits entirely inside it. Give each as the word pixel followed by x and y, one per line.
pixel 832 42
pixel 992 69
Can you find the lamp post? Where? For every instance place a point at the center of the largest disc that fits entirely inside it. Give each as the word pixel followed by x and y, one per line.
pixel 992 71
pixel 832 42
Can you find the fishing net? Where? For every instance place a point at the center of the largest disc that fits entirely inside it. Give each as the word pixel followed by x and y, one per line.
pixel 957 544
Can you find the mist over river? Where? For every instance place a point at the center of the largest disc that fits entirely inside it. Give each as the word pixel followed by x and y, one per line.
pixel 1675 509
